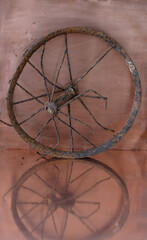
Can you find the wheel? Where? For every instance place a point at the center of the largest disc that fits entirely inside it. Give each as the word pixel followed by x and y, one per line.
pixel 63 114
pixel 65 199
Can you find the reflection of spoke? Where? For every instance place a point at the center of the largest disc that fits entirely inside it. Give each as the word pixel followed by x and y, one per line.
pixel 85 124
pixel 49 186
pixel 71 136
pixel 69 178
pixel 31 116
pixel 44 78
pixel 84 74
pixel 93 212
pixel 30 210
pixel 28 203
pixel 80 218
pixel 87 202
pixel 29 93
pixel 43 224
pixel 42 75
pixel 54 223
pixel 32 190
pixel 93 186
pixel 55 84
pixel 57 177
pixel 64 226
pixel 76 131
pixel 57 133
pixel 30 99
pixel 42 221
pixel 84 105
pixel 89 169
pixel 68 62
pixel 42 128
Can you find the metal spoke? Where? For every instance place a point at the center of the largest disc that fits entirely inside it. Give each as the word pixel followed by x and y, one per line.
pixel 89 169
pixel 90 96
pixel 65 224
pixel 7 124
pixel 99 124
pixel 57 76
pixel 84 74
pixel 31 116
pixel 29 99
pixel 85 124
pixel 32 190
pixel 44 78
pixel 71 136
pixel 49 186
pixel 40 131
pixel 93 186
pixel 29 93
pixel 57 133
pixel 76 131
pixel 81 94
pixel 99 96
pixel 68 62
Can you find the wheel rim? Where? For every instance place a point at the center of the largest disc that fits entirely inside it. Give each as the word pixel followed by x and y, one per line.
pixel 95 149
pixel 115 223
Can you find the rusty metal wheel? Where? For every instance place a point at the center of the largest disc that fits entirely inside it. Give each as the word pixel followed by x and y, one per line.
pixel 63 110
pixel 70 199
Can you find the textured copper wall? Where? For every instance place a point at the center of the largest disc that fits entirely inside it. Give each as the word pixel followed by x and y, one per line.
pixel 22 23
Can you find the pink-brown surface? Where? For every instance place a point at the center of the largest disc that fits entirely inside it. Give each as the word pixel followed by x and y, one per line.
pixel 24 22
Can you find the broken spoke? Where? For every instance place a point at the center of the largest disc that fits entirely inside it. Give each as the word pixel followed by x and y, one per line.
pixel 84 105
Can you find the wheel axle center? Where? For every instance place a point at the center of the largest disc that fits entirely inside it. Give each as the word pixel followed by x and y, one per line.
pixel 68 94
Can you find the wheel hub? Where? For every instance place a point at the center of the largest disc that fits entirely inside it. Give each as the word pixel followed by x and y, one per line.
pixel 65 201
pixel 53 106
